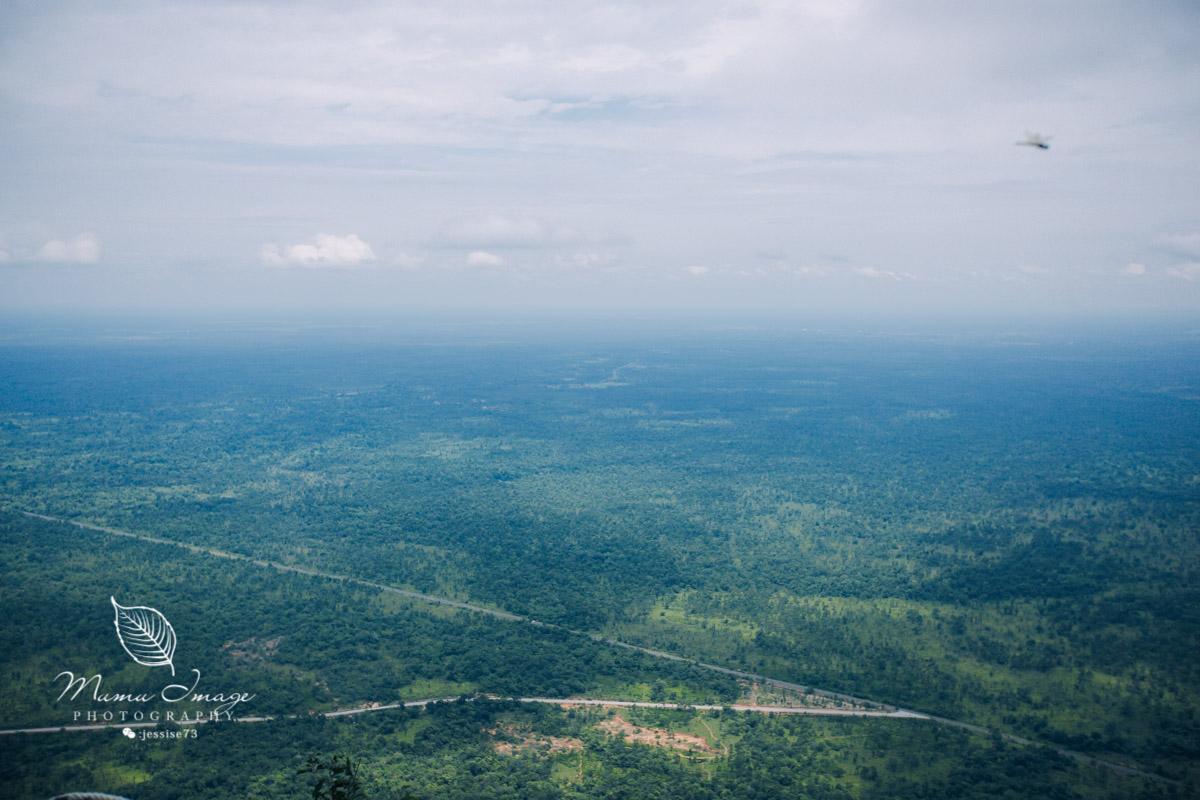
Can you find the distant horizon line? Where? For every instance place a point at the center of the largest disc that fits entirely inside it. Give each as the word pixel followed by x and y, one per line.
pixel 547 325
pixel 373 312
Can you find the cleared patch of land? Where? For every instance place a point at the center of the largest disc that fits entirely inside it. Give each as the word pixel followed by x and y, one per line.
pixel 617 725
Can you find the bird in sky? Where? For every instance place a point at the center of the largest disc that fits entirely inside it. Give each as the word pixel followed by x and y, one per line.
pixel 1035 140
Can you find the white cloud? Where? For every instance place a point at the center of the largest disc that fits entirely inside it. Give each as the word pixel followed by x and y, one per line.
pixel 1180 244
pixel 696 270
pixel 482 258
pixel 1030 269
pixel 1134 268
pixel 325 251
pixel 1187 272
pixel 883 274
pixel 83 249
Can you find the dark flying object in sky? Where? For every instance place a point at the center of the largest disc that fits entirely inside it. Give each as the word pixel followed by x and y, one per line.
pixel 1035 140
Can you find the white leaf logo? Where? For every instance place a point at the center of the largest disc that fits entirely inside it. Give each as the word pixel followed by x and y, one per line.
pixel 145 634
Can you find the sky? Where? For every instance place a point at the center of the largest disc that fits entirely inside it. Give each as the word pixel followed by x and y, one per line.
pixel 576 154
